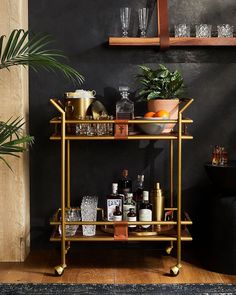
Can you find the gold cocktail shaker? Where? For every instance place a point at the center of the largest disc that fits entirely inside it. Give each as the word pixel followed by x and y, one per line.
pixel 158 204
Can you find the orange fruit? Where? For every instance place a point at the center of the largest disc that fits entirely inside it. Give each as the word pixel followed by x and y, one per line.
pixel 149 114
pixel 162 114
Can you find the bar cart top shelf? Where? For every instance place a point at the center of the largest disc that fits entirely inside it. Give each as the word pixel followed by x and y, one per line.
pixel 139 136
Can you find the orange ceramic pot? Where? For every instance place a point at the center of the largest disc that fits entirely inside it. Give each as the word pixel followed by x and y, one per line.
pixel 169 105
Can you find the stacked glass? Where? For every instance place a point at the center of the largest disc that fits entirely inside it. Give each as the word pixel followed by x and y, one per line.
pixel 72 214
pixel 89 213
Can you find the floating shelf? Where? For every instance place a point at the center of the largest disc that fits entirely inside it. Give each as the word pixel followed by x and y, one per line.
pixel 155 41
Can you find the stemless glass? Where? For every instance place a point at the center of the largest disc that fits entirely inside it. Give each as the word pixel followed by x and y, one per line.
pixel 203 31
pixel 225 31
pixel 125 20
pixel 143 20
pixel 182 30
pixel 89 213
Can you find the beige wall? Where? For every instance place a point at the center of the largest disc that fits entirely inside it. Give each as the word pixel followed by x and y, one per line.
pixel 14 187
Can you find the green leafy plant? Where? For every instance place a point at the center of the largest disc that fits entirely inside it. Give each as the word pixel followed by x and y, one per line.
pixel 160 83
pixel 18 50
pixel 33 52
pixel 12 139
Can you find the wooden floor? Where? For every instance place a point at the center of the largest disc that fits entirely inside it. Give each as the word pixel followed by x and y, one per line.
pixel 120 266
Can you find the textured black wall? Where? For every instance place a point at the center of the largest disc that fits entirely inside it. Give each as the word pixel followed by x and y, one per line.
pixel 81 28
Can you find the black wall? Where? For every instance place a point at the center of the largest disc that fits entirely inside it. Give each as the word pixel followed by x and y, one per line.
pixel 82 28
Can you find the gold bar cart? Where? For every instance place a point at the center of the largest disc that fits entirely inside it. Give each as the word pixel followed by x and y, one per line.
pixel 179 232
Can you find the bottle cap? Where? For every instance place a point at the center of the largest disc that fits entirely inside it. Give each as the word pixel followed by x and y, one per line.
pixel 145 195
pixel 130 195
pixel 125 172
pixel 141 177
pixel 114 186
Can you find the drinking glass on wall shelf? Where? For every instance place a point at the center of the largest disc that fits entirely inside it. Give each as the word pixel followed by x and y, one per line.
pixel 182 30
pixel 143 20
pixel 203 31
pixel 125 20
pixel 225 31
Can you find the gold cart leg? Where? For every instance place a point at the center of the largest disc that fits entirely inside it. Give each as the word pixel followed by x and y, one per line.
pixel 60 268
pixel 68 173
pixel 175 269
pixel 171 178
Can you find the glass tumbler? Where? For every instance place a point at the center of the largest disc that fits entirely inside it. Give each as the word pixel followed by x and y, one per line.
pixel 72 214
pixel 182 30
pixel 89 213
pixel 143 20
pixel 225 31
pixel 203 31
pixel 125 20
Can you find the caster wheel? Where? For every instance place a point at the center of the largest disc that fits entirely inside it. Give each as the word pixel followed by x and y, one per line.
pixel 169 249
pixel 174 271
pixel 59 270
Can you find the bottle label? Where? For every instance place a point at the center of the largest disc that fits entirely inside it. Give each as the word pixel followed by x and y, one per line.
pixel 134 218
pixel 111 207
pixel 126 208
pixel 145 215
pixel 117 217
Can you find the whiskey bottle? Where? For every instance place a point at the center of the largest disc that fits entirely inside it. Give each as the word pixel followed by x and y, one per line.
pixel 129 203
pixel 117 215
pixel 125 183
pixel 113 201
pixel 131 216
pixel 124 107
pixel 145 211
pixel 138 195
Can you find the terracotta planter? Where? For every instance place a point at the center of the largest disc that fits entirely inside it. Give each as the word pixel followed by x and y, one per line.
pixel 169 105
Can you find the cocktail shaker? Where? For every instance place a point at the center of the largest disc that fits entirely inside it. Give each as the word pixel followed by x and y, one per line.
pixel 158 204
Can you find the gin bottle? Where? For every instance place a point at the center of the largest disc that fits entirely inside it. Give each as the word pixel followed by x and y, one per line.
pixel 124 107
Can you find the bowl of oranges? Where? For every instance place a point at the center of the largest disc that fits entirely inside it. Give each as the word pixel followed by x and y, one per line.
pixel 154 128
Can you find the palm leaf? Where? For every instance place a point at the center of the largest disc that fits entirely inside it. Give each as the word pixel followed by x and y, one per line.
pixel 12 139
pixel 34 53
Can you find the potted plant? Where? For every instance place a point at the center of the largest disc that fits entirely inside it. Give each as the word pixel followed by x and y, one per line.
pixel 18 50
pixel 161 88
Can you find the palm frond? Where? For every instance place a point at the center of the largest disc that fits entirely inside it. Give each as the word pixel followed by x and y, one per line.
pixel 12 139
pixel 34 53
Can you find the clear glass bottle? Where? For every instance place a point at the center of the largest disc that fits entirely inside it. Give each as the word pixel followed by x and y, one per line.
pixel 124 107
pixel 113 200
pixel 145 211
pixel 131 216
pixel 125 183
pixel 129 203
pixel 138 195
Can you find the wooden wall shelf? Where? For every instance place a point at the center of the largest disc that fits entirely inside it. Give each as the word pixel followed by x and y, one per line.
pixel 155 41
pixel 163 40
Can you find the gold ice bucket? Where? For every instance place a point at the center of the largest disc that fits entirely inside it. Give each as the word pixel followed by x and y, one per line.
pixel 77 108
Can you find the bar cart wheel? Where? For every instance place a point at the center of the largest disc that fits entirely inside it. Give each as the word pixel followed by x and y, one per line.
pixel 169 249
pixel 174 271
pixel 59 270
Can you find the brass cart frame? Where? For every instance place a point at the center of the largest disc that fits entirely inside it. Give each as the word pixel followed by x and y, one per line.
pixel 65 140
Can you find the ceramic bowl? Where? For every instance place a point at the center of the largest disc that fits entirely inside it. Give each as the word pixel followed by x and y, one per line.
pixel 152 128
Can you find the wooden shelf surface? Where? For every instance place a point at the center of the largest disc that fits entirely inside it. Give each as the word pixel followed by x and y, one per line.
pixel 100 236
pixel 155 41
pixel 167 136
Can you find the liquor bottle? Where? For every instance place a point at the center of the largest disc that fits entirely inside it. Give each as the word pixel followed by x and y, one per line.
pixel 117 215
pixel 145 211
pixel 138 195
pixel 113 200
pixel 125 183
pixel 124 107
pixel 129 203
pixel 131 216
